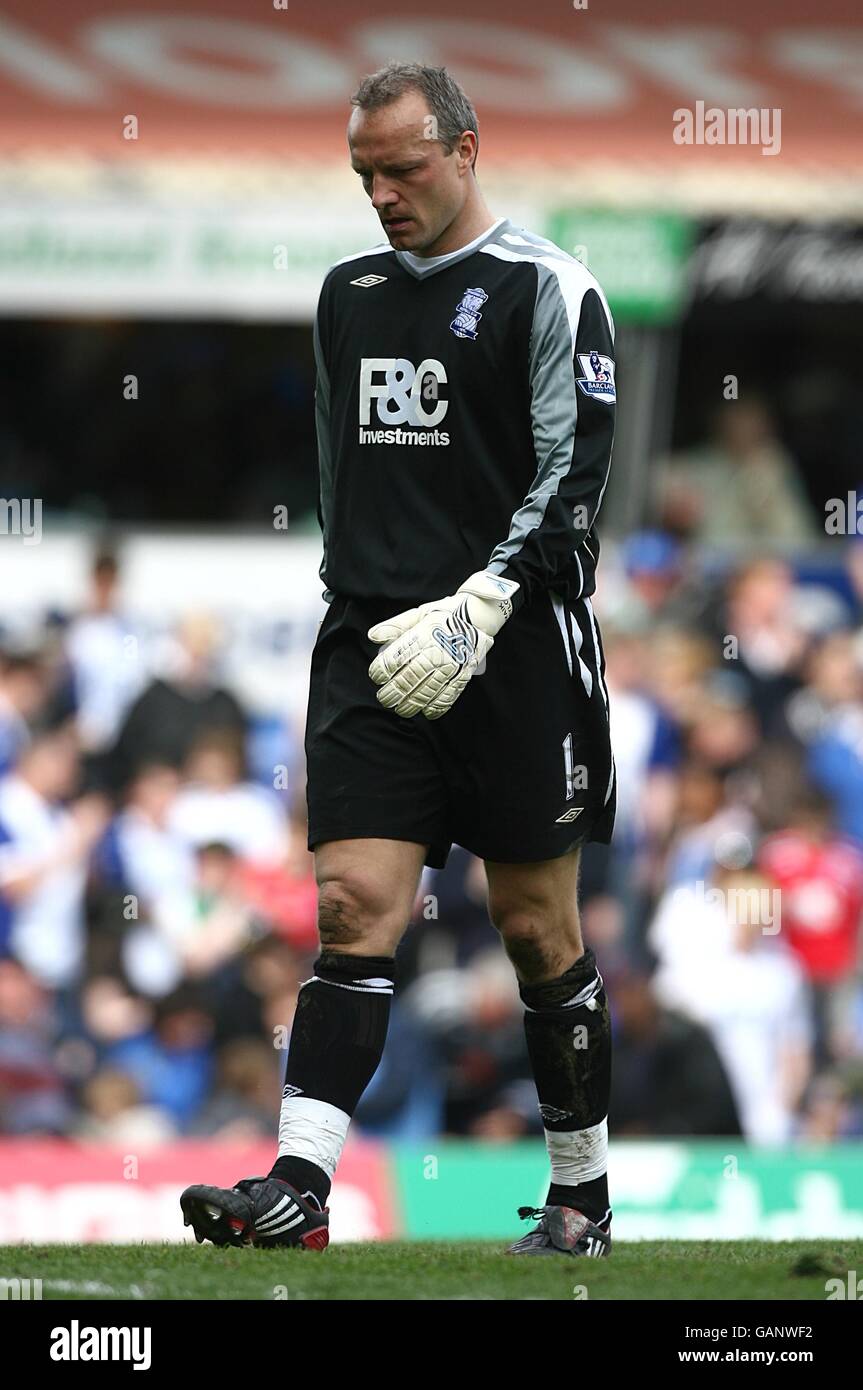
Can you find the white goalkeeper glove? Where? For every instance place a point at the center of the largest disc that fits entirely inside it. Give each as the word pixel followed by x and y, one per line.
pixel 432 651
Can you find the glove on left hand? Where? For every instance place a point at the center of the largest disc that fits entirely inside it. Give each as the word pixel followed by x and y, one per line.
pixel 432 651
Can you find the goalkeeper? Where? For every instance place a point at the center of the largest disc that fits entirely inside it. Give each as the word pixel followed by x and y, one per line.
pixel 465 412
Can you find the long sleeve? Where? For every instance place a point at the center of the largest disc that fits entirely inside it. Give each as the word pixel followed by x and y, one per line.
pixel 572 418
pixel 322 426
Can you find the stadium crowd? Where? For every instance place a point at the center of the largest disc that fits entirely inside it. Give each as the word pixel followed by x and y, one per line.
pixel 157 900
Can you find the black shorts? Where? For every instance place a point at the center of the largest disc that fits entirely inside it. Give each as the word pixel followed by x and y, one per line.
pixel 519 770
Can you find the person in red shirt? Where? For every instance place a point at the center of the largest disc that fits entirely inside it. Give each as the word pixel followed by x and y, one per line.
pixel 820 877
pixel 285 893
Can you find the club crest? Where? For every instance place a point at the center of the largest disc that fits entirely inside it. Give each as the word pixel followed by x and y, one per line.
pixel 467 313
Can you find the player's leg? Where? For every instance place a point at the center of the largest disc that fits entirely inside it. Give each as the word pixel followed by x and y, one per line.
pixel 528 753
pixel 366 891
pixel 366 894
pixel 568 1031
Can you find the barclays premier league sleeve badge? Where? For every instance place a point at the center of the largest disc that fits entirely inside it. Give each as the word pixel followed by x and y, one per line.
pixel 598 379
pixel 467 313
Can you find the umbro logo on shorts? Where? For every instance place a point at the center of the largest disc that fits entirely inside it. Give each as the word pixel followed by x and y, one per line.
pixel 366 281
pixel 572 814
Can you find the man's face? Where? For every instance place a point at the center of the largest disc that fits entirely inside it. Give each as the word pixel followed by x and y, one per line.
pixel 416 188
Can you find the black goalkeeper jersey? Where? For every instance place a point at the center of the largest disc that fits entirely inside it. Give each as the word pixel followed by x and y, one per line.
pixel 465 415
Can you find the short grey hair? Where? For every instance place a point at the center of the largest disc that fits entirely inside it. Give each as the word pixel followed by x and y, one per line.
pixel 447 102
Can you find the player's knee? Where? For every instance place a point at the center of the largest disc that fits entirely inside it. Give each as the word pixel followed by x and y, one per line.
pixel 528 938
pixel 350 908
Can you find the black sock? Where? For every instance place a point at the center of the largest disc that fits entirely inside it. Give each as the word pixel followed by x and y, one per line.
pixel 569 1044
pixel 305 1177
pixel 337 1041
pixel 590 1198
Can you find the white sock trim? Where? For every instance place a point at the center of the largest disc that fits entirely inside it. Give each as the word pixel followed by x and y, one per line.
pixel 313 1130
pixel 578 1155
pixel 379 986
pixel 584 996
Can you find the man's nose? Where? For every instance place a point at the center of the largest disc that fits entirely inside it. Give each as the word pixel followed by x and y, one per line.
pixel 383 195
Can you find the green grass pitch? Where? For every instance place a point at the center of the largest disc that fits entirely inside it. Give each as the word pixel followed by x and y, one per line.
pixel 435 1270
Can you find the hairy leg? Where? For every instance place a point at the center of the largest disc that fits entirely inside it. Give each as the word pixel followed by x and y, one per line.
pixel 567 1023
pixel 366 893
pixel 535 909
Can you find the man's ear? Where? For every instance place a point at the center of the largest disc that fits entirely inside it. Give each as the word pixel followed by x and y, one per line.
pixel 467 150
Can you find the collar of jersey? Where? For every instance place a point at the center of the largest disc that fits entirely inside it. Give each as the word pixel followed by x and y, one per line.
pixel 422 266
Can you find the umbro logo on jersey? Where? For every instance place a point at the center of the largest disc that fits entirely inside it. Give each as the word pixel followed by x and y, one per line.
pixel 291 1091
pixel 572 814
pixel 365 282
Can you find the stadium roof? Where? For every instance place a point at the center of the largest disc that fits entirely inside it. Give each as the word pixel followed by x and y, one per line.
pixel 153 161
pixel 254 100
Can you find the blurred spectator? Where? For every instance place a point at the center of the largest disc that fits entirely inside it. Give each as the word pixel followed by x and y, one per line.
pixel 705 813
pixel 450 919
pixel 833 1110
pixel 740 486
pixel 217 803
pixel 43 857
pixel 476 1018
pixel 677 664
pixel 245 1103
pixel 210 923
pixel 140 851
pixel 724 730
pixel 647 748
pixel 113 1113
pixel 138 866
pixel 110 1013
pixel 820 878
pixel 171 1061
pixel 667 1077
pixel 269 975
pixel 720 964
pixel 405 1098
pixel 827 716
pixel 854 571
pixel 33 1098
pixel 662 585
pixel 23 691
pixel 285 892
pixel 176 708
pixel 653 564
pixel 646 744
pixel 105 659
pixel 760 619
